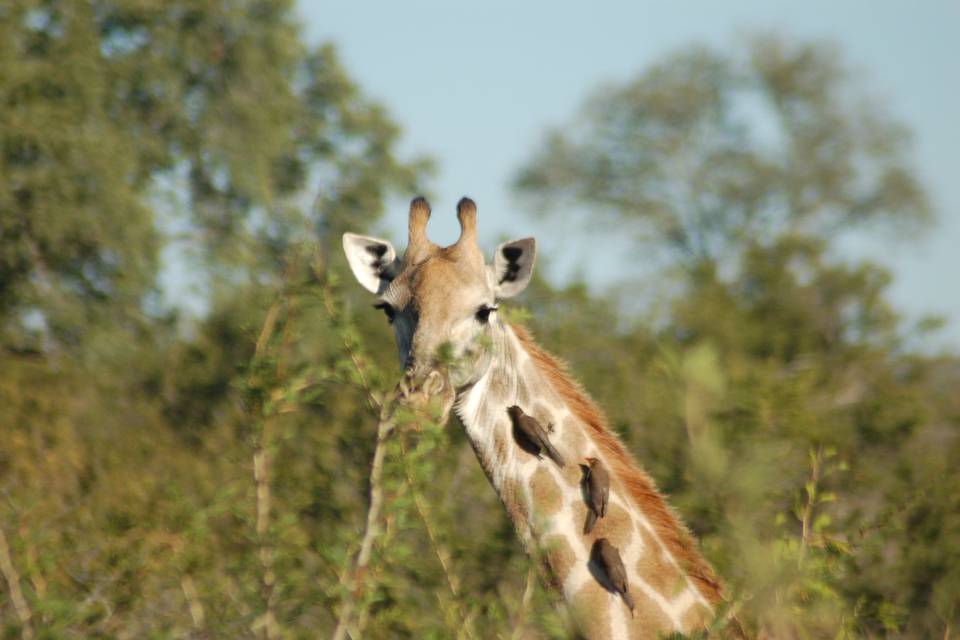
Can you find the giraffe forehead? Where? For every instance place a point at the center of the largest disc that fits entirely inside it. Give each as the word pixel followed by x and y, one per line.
pixel 440 286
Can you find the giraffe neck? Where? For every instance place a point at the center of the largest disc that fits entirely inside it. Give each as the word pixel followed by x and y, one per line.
pixel 546 503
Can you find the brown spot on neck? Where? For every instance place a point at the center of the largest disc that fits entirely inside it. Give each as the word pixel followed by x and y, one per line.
pixel 639 486
pixel 547 494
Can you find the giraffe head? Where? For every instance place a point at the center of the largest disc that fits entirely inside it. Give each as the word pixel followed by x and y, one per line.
pixel 441 301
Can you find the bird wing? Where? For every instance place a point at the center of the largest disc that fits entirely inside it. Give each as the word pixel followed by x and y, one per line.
pixel 603 486
pixel 599 485
pixel 615 569
pixel 543 439
pixel 531 429
pixel 553 453
pixel 591 520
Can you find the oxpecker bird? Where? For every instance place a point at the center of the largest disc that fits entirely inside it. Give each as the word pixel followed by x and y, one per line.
pixel 533 432
pixel 598 492
pixel 608 557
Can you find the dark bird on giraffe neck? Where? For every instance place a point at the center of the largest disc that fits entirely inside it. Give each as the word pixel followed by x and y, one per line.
pixel 608 558
pixel 538 438
pixel 598 492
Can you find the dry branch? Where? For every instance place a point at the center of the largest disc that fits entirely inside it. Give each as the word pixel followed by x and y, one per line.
pixel 353 579
pixel 13 583
pixel 439 549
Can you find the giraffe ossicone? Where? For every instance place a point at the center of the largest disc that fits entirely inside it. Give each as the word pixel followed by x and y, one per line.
pixel 443 300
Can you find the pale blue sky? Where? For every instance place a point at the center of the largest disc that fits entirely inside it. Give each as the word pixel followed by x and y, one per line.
pixel 476 84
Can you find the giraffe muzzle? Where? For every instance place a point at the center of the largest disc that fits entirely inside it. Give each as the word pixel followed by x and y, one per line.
pixel 420 390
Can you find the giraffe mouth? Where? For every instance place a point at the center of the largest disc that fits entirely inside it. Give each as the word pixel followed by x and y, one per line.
pixel 433 388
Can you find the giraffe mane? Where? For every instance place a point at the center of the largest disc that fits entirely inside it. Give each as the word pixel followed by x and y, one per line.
pixel 641 487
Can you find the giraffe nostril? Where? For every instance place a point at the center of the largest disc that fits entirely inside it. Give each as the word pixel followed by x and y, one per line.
pixel 408 365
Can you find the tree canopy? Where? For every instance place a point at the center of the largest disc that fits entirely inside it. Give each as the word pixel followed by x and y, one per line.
pixel 706 152
pixel 127 125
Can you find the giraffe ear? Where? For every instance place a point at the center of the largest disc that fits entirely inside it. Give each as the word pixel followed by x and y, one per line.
pixel 373 261
pixel 513 266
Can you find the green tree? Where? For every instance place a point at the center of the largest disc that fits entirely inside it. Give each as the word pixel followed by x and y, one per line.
pixel 706 152
pixel 124 121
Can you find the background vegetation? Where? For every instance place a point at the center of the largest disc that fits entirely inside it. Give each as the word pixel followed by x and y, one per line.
pixel 205 474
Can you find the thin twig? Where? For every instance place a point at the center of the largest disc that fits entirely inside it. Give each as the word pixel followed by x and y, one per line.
pixel 13 583
pixel 266 331
pixel 265 550
pixel 373 575
pixel 524 609
pixel 439 549
pixel 189 589
pixel 807 518
pixel 261 477
pixel 354 578
pixel 443 555
pixel 33 568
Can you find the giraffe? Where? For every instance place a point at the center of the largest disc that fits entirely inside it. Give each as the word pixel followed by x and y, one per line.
pixel 447 296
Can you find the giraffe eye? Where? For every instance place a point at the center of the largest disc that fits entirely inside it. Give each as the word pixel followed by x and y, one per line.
pixel 387 309
pixel 483 314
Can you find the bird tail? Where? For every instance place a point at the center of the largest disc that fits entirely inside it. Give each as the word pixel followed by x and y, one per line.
pixel 554 454
pixel 591 521
pixel 629 600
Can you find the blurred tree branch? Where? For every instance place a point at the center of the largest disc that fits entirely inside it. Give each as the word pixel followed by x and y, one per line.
pixel 353 578
pixel 12 578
